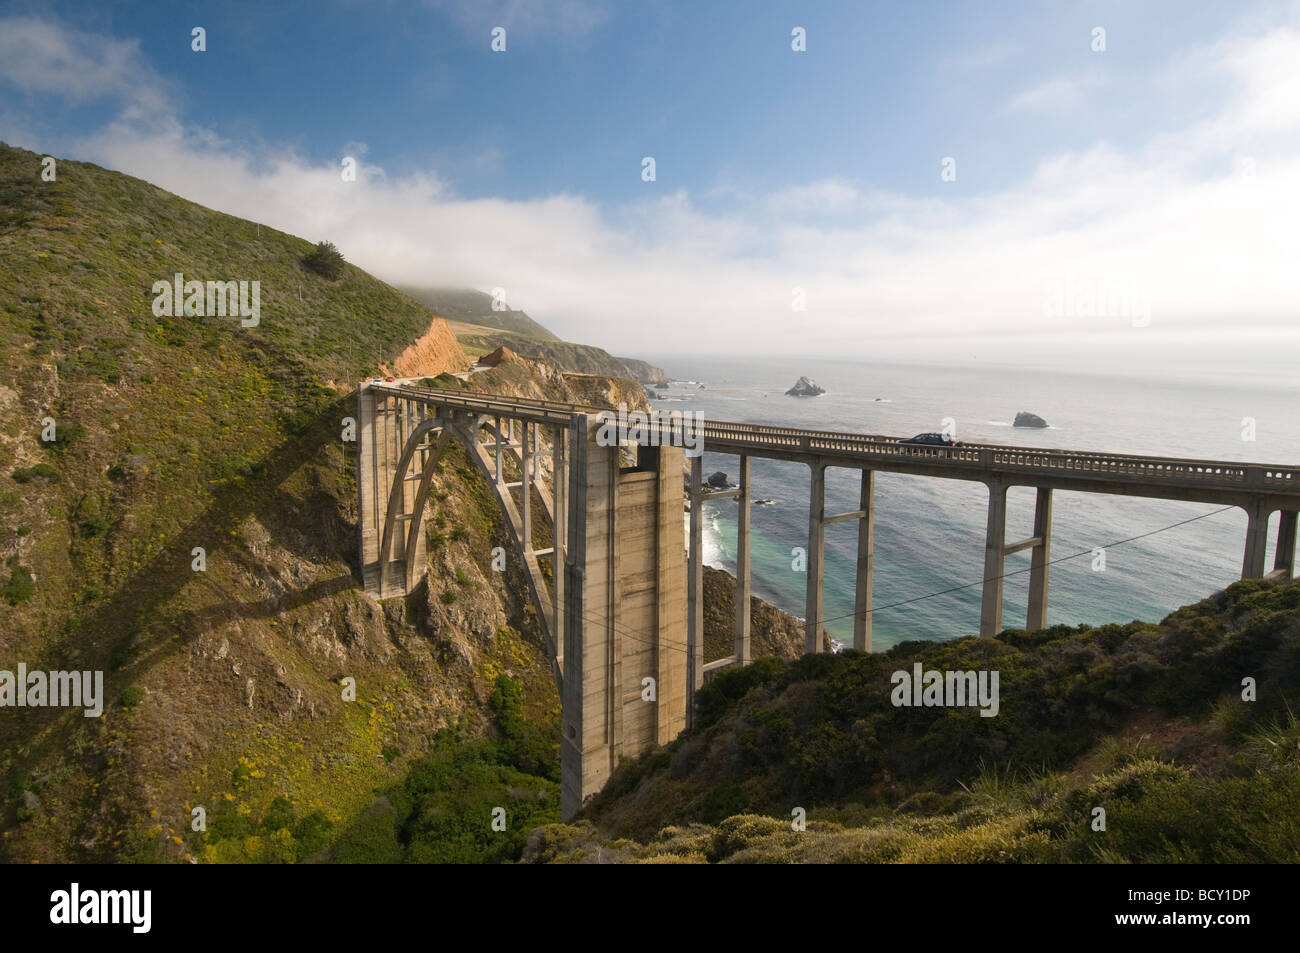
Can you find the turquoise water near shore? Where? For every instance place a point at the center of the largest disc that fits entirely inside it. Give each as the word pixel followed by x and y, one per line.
pixel 930 532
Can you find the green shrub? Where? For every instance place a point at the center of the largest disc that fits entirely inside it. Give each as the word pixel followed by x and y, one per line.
pixel 448 597
pixel 96 525
pixel 42 471
pixel 20 586
pixel 65 435
pixel 326 261
pixel 131 696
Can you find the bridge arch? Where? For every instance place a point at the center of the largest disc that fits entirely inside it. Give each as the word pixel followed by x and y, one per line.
pixel 395 510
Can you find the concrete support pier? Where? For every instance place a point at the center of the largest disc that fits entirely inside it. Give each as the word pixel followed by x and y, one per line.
pixel 559 538
pixel 815 602
pixel 862 597
pixel 1284 557
pixel 1040 558
pixel 1252 561
pixel 695 591
pixel 625 668
pixel 994 553
pixel 743 652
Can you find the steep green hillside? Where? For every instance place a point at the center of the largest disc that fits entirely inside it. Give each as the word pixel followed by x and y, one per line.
pixel 1145 721
pixel 475 307
pixel 481 330
pixel 223 686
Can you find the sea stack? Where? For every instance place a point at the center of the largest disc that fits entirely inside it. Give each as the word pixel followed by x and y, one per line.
pixel 805 387
pixel 1026 419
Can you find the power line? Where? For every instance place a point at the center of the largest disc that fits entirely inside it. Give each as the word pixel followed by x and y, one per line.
pixel 632 634
pixel 1052 562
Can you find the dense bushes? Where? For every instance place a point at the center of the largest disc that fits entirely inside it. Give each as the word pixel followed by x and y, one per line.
pixel 823 733
pixel 325 260
pixel 442 812
pixel 20 586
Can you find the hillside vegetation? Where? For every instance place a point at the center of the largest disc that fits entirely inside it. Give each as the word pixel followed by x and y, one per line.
pixel 1147 722
pixel 173 434
pixel 225 685
pixel 481 330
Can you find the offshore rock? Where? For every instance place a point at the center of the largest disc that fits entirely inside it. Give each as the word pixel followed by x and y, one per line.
pixel 805 387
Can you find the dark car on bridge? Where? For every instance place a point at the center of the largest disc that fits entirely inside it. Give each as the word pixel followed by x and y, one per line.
pixel 932 440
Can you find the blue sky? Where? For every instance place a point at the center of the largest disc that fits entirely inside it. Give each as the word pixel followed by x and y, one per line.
pixel 1115 170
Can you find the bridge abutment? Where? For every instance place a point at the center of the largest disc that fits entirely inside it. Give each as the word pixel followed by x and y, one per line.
pixel 625 658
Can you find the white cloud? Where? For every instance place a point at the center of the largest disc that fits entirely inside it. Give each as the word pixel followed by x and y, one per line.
pixel 884 273
pixel 42 57
pixel 1059 94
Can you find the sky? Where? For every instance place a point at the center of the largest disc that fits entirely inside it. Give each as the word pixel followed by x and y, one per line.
pixel 1085 185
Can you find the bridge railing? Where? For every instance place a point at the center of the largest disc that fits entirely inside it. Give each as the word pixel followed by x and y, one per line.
pixel 553 411
pixel 1022 459
pixel 736 436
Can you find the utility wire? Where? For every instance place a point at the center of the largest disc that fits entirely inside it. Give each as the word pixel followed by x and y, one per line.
pixel 632 634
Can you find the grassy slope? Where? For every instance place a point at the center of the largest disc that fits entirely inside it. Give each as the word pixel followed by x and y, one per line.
pixel 475 307
pixel 183 432
pixel 481 330
pixel 1146 721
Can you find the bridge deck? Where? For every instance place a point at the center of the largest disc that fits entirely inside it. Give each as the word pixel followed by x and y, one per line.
pixel 1211 481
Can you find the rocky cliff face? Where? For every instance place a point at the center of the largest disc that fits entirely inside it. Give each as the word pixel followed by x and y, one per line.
pixel 805 387
pixel 771 631
pixel 435 352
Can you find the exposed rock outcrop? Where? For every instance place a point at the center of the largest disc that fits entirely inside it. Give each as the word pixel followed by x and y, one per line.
pixel 1026 419
pixel 435 352
pixel 805 387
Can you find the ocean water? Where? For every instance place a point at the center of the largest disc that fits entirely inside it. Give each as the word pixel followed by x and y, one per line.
pixel 930 532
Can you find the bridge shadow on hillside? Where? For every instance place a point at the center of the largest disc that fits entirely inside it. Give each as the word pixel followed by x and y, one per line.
pixel 108 635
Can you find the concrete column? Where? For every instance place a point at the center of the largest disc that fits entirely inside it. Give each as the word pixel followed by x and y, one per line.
pixel 695 592
pixel 1039 560
pixel 498 433
pixel 669 609
pixel 537 453
pixel 559 537
pixel 1252 562
pixel 1284 557
pixel 994 542
pixel 862 595
pixel 743 654
pixel 815 602
pixel 526 484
